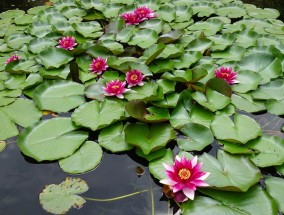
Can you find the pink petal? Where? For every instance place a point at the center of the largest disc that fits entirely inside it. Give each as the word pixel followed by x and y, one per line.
pixel 168 167
pixel 168 181
pixel 189 193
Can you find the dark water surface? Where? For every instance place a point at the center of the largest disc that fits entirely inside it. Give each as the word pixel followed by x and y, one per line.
pixel 22 180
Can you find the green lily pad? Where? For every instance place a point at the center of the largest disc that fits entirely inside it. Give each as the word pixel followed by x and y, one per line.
pixel 275 106
pixel 39 44
pixel 156 166
pixel 246 103
pixel 233 53
pixel 230 172
pixel 269 151
pixel 144 92
pixel 10 115
pixel 275 188
pixel 57 136
pixel 149 138
pixel 9 14
pixel 55 57
pixel 241 130
pixel 196 138
pixel 209 28
pixel 231 11
pixel 96 114
pixel 265 13
pixel 167 13
pixel 271 90
pixel 248 81
pixel 255 201
pixel 268 66
pixel 144 38
pixel 59 96
pixel 88 29
pixel 152 52
pixel 58 199
pixel 203 9
pixel 153 24
pixel 86 158
pixel 112 138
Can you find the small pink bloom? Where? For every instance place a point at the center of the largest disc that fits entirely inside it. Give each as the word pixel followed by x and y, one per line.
pixel 98 65
pixel 134 77
pixel 227 74
pixel 67 43
pixel 115 88
pixel 145 13
pixel 13 58
pixel 131 18
pixel 185 176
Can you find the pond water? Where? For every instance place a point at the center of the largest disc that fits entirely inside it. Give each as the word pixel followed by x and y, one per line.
pixel 23 179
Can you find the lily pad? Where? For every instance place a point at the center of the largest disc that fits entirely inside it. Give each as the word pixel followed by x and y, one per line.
pixel 86 158
pixel 10 116
pixel 144 38
pixel 269 151
pixel 3 145
pixel 58 199
pixel 96 114
pixel 275 188
pixel 55 57
pixel 241 130
pixel 255 200
pixel 112 138
pixel 196 138
pixel 230 172
pixel 59 96
pixel 149 138
pixel 271 90
pixel 56 136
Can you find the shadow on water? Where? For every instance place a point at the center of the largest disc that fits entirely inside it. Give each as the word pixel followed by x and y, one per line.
pixel 23 179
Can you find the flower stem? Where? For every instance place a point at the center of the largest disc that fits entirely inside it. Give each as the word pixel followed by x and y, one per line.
pixel 117 198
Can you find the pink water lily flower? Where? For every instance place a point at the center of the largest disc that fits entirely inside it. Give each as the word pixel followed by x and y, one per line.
pixel 227 74
pixel 145 13
pixel 185 176
pixel 115 88
pixel 131 18
pixel 13 58
pixel 134 77
pixel 67 43
pixel 98 65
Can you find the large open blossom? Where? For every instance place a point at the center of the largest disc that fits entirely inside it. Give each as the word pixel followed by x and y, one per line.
pixel 227 74
pixel 67 43
pixel 115 88
pixel 131 18
pixel 134 77
pixel 145 13
pixel 184 176
pixel 98 65
pixel 12 58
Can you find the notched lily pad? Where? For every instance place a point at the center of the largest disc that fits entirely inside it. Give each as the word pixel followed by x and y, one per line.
pixel 59 199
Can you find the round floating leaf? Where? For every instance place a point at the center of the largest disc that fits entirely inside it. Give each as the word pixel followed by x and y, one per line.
pixel 271 90
pixel 197 137
pixel 275 187
pixel 246 103
pixel 21 112
pixel 144 92
pixel 203 9
pixel 167 13
pixel 152 52
pixel 59 96
pixel 39 44
pixel 171 36
pixel 199 44
pixel 275 106
pixel 265 13
pixel 112 138
pixel 209 27
pixel 51 139
pixel 144 38
pixel 58 199
pixel 230 172
pixel 9 14
pixel 233 53
pixel 248 81
pixel 95 91
pixel 86 158
pixel 241 130
pixel 266 65
pixel 231 11
pixel 149 138
pixel 96 114
pixel 269 151
pixel 55 57
pixel 255 201
pixel 156 166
